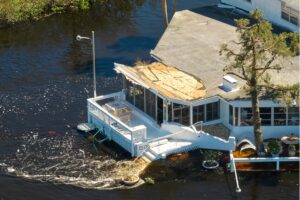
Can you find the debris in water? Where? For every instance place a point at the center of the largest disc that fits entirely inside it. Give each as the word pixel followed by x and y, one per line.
pixel 35 136
pixel 51 133
pixel 82 152
pixel 10 170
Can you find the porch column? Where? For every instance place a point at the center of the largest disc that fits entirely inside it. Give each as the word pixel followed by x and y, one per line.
pixel 156 107
pixel 239 116
pixel 191 115
pixel 166 108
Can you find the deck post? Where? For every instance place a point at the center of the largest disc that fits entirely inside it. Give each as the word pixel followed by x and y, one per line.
pixel 238 189
pixel 231 162
pixel 132 145
pixel 277 165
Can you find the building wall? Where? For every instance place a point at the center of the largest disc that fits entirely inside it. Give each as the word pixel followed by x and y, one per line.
pixel 271 9
pixel 224 112
pixel 241 132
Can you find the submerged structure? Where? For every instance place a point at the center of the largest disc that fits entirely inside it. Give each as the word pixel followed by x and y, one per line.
pixel 183 101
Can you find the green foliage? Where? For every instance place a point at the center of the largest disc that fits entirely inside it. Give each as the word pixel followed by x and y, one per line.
pixel 259 48
pixel 149 181
pixel 83 4
pixel 12 11
pixel 210 155
pixel 288 93
pixel 254 56
pixel 273 147
pixel 57 9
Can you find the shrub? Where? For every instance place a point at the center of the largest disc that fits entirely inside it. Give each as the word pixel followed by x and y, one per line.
pixel 273 147
pixel 149 181
pixel 210 154
pixel 12 11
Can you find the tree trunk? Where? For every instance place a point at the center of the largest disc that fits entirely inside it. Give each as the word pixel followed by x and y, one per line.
pixel 256 119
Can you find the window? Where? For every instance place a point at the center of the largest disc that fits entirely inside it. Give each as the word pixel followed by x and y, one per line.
pixel 236 116
pixel 280 116
pixel 265 115
pixel 198 113
pixel 293 116
pixel 159 104
pixel 212 111
pixel 181 114
pixel 246 116
pixel 139 97
pixel 129 91
pixel 289 14
pixel 150 104
pixel 170 112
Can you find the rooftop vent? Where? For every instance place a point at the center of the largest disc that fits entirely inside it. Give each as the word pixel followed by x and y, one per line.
pixel 229 83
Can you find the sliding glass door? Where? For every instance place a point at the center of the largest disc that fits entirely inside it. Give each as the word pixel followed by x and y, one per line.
pixel 150 107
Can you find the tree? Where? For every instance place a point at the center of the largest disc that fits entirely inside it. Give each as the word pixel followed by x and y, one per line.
pixel 258 49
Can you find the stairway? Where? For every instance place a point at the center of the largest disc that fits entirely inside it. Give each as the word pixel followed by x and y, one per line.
pixel 150 155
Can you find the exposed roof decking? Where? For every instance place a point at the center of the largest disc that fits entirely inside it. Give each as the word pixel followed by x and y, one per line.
pixel 292 3
pixel 192 42
pixel 167 81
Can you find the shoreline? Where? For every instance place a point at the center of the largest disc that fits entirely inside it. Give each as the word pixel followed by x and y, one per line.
pixel 12 13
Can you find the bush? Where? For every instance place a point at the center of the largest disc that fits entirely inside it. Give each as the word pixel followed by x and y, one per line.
pixel 149 181
pixel 211 155
pixel 273 147
pixel 12 11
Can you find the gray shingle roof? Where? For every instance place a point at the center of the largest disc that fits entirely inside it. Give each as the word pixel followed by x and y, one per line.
pixel 192 42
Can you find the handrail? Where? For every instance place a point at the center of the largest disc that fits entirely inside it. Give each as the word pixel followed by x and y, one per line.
pixel 238 189
pixel 111 116
pixel 105 96
pixel 266 159
pixel 116 130
pixel 144 151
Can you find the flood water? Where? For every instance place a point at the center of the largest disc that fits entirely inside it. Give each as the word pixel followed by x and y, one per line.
pixel 45 79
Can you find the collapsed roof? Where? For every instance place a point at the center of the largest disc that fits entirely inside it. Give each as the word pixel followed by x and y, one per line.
pixel 168 81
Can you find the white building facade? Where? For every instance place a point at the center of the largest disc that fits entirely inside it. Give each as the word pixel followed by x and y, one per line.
pixel 284 13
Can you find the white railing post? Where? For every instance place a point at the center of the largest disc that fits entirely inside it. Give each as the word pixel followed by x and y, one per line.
pixel 238 189
pixel 277 165
pixel 132 144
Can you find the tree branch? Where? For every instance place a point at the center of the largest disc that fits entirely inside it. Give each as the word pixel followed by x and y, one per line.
pixel 238 75
pixel 267 66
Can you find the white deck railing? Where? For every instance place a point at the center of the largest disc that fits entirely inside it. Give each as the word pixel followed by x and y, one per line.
pixel 115 129
pixel 133 139
pixel 276 160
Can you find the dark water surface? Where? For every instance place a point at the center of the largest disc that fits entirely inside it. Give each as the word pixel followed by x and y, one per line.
pixel 45 78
